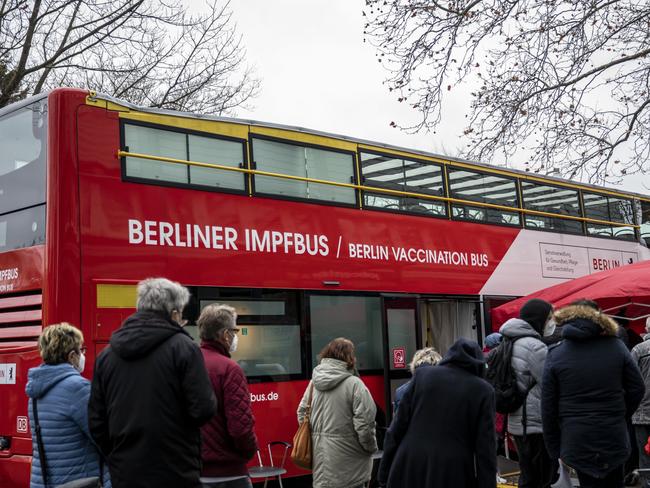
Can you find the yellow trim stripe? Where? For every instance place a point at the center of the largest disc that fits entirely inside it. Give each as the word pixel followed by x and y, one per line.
pixel 289 136
pixel 116 296
pixel 228 129
pixel 369 188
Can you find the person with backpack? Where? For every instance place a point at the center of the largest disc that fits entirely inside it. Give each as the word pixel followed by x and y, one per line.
pixel 520 357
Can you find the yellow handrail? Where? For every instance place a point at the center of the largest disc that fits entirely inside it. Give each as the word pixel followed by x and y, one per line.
pixel 354 186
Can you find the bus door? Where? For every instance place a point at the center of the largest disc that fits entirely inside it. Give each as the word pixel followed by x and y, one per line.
pixel 402 337
pixel 446 320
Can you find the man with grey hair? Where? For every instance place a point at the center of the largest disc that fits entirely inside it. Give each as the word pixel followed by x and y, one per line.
pixel 151 394
pixel 641 418
pixel 228 439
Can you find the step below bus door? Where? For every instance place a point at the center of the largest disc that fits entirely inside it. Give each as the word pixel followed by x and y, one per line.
pixel 402 337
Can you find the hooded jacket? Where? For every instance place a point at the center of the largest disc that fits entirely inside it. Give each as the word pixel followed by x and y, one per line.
pixel 590 387
pixel 228 439
pixel 62 396
pixel 528 357
pixel 641 356
pixel 443 431
pixel 342 426
pixel 150 395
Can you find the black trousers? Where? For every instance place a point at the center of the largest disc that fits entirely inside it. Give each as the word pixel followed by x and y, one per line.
pixel 614 479
pixel 536 467
pixel 642 434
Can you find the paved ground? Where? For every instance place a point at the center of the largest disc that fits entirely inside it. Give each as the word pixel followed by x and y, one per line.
pixel 509 470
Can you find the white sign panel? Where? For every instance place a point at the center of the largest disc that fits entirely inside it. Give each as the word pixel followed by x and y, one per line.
pixel 564 261
pixel 22 424
pixel 561 261
pixel 7 373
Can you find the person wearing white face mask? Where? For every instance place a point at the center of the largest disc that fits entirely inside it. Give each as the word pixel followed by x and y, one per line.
pixel 63 449
pixel 228 439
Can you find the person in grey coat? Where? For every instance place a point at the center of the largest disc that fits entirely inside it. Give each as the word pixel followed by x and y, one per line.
pixel 342 420
pixel 525 424
pixel 641 418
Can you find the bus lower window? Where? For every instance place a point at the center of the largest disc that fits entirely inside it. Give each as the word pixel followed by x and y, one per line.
pixel 269 343
pixel 268 350
pixel 353 317
pixel 624 233
pixel 404 204
pixel 554 223
pixel 484 214
pixel 24 228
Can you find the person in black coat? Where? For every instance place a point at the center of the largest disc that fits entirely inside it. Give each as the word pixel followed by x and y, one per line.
pixel 443 432
pixel 150 395
pixel 590 387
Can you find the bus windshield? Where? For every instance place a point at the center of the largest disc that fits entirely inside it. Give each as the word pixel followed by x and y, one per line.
pixel 23 140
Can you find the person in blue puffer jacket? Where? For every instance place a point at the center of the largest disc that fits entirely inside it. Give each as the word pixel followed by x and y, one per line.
pixel 62 402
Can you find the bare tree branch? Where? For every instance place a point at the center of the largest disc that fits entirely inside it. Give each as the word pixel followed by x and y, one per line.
pixel 149 52
pixel 564 83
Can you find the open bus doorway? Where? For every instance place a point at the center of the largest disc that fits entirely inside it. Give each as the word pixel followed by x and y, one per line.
pixel 446 320
pixel 402 337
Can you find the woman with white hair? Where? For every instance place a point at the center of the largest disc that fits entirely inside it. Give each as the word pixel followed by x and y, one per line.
pixel 151 394
pixel 422 357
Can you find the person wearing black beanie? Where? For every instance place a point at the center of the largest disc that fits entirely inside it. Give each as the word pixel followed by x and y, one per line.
pixel 536 312
pixel 525 424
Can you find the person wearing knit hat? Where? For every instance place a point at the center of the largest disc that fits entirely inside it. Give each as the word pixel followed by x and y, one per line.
pixel 492 340
pixel 525 424
pixel 537 313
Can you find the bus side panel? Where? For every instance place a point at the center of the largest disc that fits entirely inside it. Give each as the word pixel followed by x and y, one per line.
pixel 61 293
pixel 275 407
pixel 15 461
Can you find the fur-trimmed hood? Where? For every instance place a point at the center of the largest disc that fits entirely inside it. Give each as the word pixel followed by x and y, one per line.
pixel 573 315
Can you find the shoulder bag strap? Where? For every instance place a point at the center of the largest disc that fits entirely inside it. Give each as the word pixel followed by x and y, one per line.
pixel 311 396
pixel 39 442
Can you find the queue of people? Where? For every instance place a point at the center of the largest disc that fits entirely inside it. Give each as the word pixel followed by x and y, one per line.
pixel 162 411
pixel 580 387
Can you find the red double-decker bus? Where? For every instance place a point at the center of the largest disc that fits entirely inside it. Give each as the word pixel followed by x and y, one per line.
pixel 310 236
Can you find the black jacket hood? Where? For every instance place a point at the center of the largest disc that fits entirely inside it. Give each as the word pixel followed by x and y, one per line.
pixel 581 330
pixel 580 323
pixel 467 355
pixel 143 332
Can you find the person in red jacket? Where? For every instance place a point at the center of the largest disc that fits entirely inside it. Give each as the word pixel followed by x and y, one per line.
pixel 228 439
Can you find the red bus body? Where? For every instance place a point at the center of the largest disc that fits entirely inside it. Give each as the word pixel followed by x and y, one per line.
pixel 92 214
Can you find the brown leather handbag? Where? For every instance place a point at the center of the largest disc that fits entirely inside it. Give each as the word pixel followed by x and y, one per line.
pixel 302 451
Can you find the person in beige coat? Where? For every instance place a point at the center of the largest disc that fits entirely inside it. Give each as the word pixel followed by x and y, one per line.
pixel 342 420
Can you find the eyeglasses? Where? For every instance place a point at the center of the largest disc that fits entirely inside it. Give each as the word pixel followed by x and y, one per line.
pixel 83 349
pixel 234 330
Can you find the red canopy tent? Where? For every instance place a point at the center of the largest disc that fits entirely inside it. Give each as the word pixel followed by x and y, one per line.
pixel 621 292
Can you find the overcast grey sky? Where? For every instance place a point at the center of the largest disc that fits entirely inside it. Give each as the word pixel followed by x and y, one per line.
pixel 317 73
